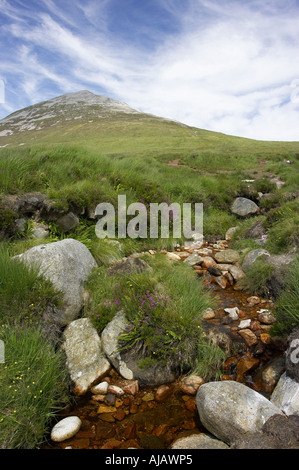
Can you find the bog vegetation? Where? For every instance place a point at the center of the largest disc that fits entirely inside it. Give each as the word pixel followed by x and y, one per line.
pixel 147 162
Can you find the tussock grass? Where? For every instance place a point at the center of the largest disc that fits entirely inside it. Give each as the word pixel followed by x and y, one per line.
pixel 287 306
pixel 257 276
pixel 34 383
pixel 164 308
pixel 24 294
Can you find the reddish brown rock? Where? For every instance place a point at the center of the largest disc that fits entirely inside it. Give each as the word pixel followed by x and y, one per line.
pixel 97 398
pixel 130 431
pixel 265 338
pixel 221 281
pixel 188 425
pixel 231 361
pixel 104 432
pixel 130 444
pixel 209 314
pixel 255 325
pixel 208 262
pixel 245 365
pixel 133 408
pixel 163 392
pixel 80 444
pixel 112 444
pixel 120 414
pixel 106 417
pixel 106 409
pixel 132 388
pixel 229 278
pixel 160 430
pixel 226 377
pixel 190 405
pixel 248 336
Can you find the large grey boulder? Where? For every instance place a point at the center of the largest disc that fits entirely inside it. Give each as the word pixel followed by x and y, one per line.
pixel 229 410
pixel 281 269
pixel 67 264
pixel 86 361
pixel 252 256
pixel 126 361
pixel 244 207
pixel 286 395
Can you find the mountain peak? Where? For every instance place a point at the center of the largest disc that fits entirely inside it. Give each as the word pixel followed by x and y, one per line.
pixel 81 106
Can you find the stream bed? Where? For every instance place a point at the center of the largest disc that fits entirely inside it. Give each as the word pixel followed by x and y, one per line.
pixel 141 421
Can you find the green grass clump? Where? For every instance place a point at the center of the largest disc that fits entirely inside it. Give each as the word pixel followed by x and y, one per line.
pixel 164 309
pixel 257 276
pixel 209 361
pixel 287 305
pixel 24 294
pixel 283 231
pixel 33 384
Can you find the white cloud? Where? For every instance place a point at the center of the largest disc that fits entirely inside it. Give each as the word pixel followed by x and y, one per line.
pixel 229 69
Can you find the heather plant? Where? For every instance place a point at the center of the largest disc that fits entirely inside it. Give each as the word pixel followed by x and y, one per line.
pixel 163 308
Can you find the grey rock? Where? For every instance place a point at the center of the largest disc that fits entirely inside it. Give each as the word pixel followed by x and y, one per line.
pixel 219 338
pixel 26 204
pixel 230 232
pixel 237 273
pixel 286 395
pixel 126 362
pixel 279 432
pixel 198 441
pixel 244 324
pixel 252 256
pixel 229 410
pixel 131 264
pixel 272 372
pixel 67 264
pixel 110 342
pixel 257 230
pixel 67 222
pixel 244 207
pixel 20 224
pixel 233 313
pixel 227 256
pixel 193 259
pixel 86 360
pixel 266 317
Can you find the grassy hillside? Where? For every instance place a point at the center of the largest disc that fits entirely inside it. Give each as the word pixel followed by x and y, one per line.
pixel 78 163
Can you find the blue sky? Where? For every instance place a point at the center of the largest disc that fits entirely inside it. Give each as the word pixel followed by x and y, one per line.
pixel 224 65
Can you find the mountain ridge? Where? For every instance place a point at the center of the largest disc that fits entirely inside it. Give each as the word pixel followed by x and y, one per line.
pixel 102 122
